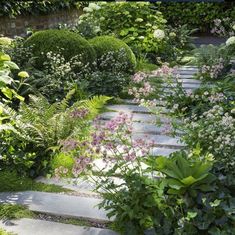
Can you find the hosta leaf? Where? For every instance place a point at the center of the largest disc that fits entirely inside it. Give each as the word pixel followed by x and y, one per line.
pixel 188 180
pixel 4 57
pixel 175 184
pixel 6 79
pixel 11 65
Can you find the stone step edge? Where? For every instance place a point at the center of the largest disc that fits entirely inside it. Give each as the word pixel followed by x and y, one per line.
pixel 31 206
pixel 26 225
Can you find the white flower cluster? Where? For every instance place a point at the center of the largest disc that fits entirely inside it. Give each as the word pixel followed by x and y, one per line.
pixel 230 41
pixel 215 131
pixel 159 34
pixel 91 7
pixel 214 70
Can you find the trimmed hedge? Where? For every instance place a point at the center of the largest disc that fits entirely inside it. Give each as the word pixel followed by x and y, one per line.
pixel 106 44
pixel 53 40
pixel 196 15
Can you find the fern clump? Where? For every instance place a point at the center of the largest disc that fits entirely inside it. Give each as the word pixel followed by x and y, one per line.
pixel 34 133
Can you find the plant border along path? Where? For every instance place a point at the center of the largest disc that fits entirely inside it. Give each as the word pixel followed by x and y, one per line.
pixel 69 206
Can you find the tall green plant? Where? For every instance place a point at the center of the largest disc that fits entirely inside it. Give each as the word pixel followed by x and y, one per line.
pixel 33 133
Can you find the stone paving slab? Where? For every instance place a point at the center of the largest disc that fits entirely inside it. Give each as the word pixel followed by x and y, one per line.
pixel 162 151
pixel 42 227
pixel 57 204
pixel 160 140
pixel 81 185
pixel 128 108
pixel 133 108
pixel 184 85
pixel 138 117
pixel 190 81
pixel 187 76
pixel 147 128
pixel 187 71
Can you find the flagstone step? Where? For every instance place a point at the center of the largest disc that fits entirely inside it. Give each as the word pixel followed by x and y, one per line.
pixel 188 67
pixel 57 204
pixel 133 108
pixel 161 140
pixel 42 227
pixel 186 71
pixel 190 81
pixel 184 85
pixel 137 117
pixel 187 76
pixel 148 128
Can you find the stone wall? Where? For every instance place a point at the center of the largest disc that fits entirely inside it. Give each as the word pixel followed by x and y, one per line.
pixel 18 26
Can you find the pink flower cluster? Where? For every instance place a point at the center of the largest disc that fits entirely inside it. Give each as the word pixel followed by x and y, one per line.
pixel 81 164
pixel 214 70
pixel 60 171
pixel 69 145
pixel 122 120
pixel 223 27
pixel 139 77
pixel 164 71
pixel 143 91
pixel 79 113
pixel 112 142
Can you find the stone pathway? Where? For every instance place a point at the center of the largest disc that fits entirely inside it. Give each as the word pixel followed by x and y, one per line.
pixel 85 205
pixel 41 227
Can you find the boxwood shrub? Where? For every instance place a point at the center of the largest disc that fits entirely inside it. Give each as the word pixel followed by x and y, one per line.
pixel 63 42
pixel 106 46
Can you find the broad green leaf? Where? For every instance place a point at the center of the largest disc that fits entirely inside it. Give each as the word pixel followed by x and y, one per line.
pixel 188 180
pixel 4 57
pixel 7 92
pixel 6 79
pixel 11 65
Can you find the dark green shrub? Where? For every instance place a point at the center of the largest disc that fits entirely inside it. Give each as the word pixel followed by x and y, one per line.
pixel 196 15
pixel 62 42
pixel 108 46
pixel 16 7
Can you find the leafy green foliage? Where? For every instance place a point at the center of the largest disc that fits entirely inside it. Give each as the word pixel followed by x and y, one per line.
pixel 14 8
pixel 132 22
pixel 8 211
pixel 186 199
pixel 183 176
pixel 3 232
pixel 196 15
pixel 140 26
pixel 6 65
pixel 10 181
pixel 213 61
pixel 33 134
pixel 70 44
pixel 106 44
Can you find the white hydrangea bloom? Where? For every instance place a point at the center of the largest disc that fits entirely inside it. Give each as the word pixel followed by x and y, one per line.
pixel 230 41
pixel 93 6
pixel 159 34
pixel 87 9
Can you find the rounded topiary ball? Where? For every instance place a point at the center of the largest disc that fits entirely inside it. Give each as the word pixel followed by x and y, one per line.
pixel 63 42
pixel 103 45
